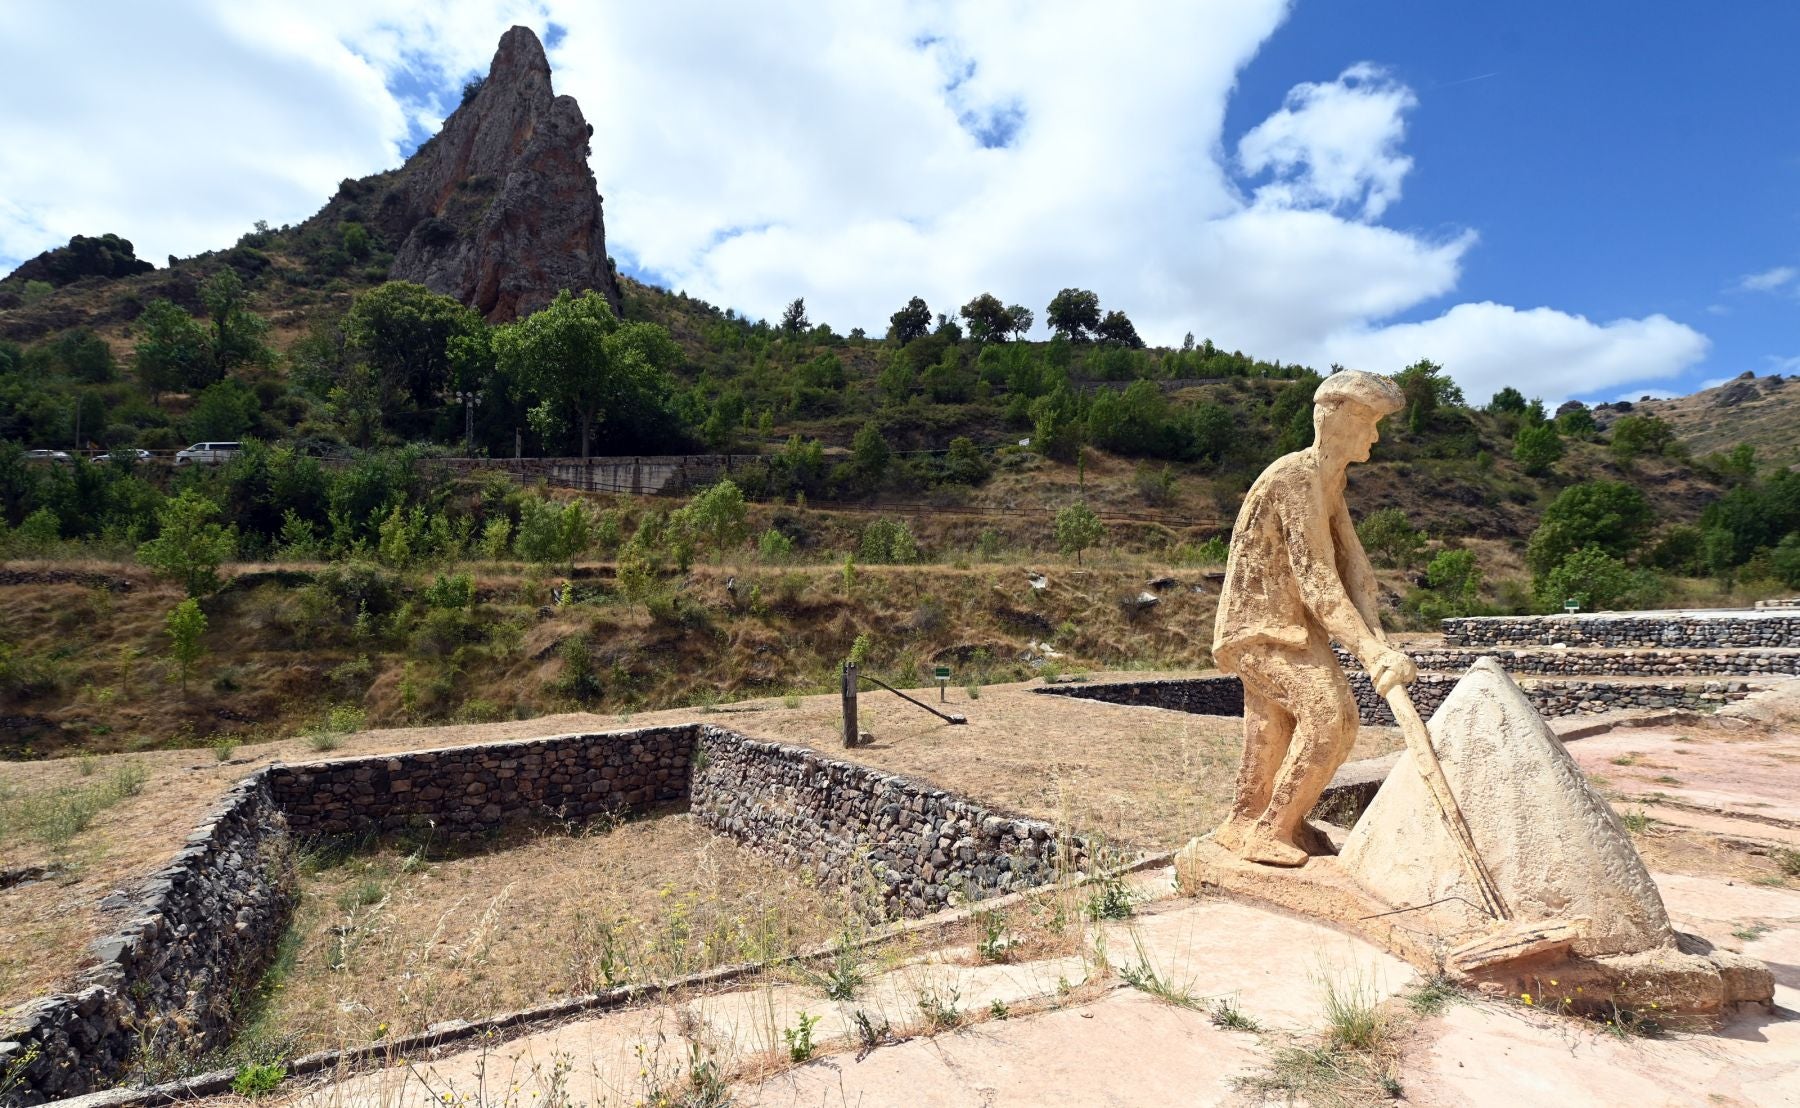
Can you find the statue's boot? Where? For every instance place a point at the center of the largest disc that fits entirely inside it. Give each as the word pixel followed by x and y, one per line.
pixel 1264 847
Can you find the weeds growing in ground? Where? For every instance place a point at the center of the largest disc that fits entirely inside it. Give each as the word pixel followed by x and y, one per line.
pixel 1227 1016
pixel 1787 860
pixel 53 817
pixel 258 1079
pixel 1111 898
pixel 940 1008
pixel 1431 995
pixel 1637 821
pixel 799 1038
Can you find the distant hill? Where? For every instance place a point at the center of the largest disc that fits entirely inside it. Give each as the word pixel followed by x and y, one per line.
pixel 1761 411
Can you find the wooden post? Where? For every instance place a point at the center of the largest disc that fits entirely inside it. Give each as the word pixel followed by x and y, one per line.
pixel 850 732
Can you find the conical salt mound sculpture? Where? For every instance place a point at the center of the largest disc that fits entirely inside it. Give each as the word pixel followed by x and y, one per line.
pixel 1556 850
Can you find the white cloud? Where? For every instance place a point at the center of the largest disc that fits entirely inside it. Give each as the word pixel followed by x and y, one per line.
pixel 1334 145
pixel 1768 280
pixel 1540 352
pixel 854 154
pixel 1783 365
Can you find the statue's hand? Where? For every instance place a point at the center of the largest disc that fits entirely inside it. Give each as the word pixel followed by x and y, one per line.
pixel 1392 669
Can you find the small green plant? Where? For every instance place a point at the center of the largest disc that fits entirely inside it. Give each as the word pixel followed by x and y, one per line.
pixel 323 741
pixel 800 1039
pixel 258 1079
pixel 1750 934
pixel 1627 1024
pixel 223 748
pixel 1144 978
pixel 1624 760
pixel 1637 821
pixel 1352 1021
pixel 842 977
pixel 1110 899
pixel 993 942
pixel 871 1031
pixel 360 895
pixel 1787 860
pixel 1432 995
pixel 973 688
pixel 998 1009
pixel 186 624
pixel 940 1009
pixel 86 763
pixel 791 700
pixel 1227 1016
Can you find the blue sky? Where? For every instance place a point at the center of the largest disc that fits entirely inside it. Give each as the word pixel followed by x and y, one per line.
pixel 1617 158
pixel 1594 200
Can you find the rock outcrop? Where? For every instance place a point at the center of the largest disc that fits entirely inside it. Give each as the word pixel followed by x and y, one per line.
pixel 499 209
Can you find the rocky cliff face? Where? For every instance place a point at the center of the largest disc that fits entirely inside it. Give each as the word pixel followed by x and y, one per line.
pixel 499 209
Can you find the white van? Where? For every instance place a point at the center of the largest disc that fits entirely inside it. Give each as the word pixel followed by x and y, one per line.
pixel 208 453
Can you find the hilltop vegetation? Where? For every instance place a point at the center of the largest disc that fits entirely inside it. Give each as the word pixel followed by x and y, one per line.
pixel 417 594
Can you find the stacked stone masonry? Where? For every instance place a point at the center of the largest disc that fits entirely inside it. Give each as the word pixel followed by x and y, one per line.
pixel 1621 662
pixel 196 934
pixel 1675 631
pixel 201 930
pixel 917 848
pixel 469 790
pixel 1220 696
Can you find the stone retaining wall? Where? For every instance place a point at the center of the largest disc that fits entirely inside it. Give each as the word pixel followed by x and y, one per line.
pixel 917 846
pixel 202 929
pixel 199 932
pixel 1220 696
pixel 469 790
pixel 1643 662
pixel 1672 630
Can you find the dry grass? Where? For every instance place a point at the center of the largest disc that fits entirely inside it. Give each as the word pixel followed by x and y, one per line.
pixel 394 939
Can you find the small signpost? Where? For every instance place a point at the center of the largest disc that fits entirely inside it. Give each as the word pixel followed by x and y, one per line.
pixel 1571 605
pixel 942 673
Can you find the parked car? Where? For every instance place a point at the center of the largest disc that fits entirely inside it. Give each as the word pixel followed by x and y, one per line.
pixel 125 453
pixel 47 456
pixel 208 453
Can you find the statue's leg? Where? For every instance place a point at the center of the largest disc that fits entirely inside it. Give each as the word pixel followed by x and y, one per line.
pixel 1268 728
pixel 1313 689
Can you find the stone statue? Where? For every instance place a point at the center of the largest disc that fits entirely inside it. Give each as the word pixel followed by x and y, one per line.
pixel 1296 579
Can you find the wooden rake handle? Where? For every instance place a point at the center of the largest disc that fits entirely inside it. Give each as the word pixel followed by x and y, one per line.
pixel 1418 740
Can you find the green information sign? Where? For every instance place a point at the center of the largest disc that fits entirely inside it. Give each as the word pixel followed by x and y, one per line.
pixel 942 673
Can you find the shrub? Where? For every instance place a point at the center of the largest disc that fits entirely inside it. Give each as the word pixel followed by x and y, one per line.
pixel 186 623
pixel 1605 514
pixel 1390 539
pixel 774 547
pixel 258 1079
pixel 1597 581
pixel 1537 448
pixel 189 546
pixel 890 541
pixel 1077 528
pixel 453 592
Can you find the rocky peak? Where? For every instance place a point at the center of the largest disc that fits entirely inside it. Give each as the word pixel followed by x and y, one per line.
pixel 499 209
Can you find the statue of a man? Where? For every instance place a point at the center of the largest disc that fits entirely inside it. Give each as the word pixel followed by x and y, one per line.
pixel 1296 579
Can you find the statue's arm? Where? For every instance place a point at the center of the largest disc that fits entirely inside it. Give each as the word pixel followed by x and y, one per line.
pixel 1312 555
pixel 1359 575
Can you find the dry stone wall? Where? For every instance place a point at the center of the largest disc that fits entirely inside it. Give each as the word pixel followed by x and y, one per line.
pixel 470 790
pixel 198 932
pixel 1220 696
pixel 917 846
pixel 1639 662
pixel 1671 630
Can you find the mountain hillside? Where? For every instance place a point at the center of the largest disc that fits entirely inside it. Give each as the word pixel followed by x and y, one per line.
pixel 1761 411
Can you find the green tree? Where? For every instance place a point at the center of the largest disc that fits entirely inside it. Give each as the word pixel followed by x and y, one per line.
pixel 1426 388
pixel 717 516
pixel 581 364
pixel 988 318
pixel 172 349
pixel 409 335
pixel 1508 401
pixel 1077 528
pixel 1116 329
pixel 84 356
pixel 1537 448
pixel 793 318
pixel 870 453
pixel 1635 436
pixel 237 332
pixel 1596 581
pixel 225 409
pixel 186 625
pixel 888 540
pixel 1057 424
pixel 1454 573
pixel 1073 313
pixel 1577 423
pixel 189 546
pixel 1390 539
pixel 1019 320
pixel 911 322
pixel 1608 515
pixel 550 533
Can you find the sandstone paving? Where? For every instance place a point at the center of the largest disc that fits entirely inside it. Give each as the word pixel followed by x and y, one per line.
pixel 1749 774
pixel 1126 1048
pixel 1484 1053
